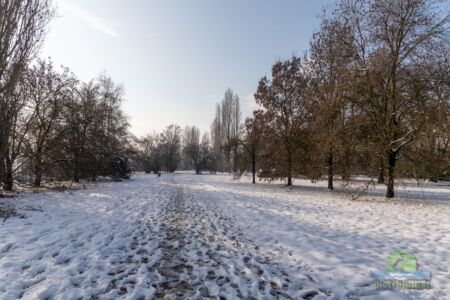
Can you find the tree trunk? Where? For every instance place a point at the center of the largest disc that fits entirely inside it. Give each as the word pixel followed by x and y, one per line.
pixel 76 170
pixel 76 176
pixel 235 160
pixel 391 174
pixel 289 183
pixel 2 169
pixel 289 171
pixel 254 168
pixel 289 165
pixel 227 161
pixel 38 168
pixel 37 178
pixel 330 170
pixel 8 180
pixel 381 171
pixel 346 173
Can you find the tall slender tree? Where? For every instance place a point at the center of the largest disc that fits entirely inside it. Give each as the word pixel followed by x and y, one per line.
pixel 225 129
pixel 23 25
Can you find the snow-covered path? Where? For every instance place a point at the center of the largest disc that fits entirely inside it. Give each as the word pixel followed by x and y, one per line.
pixel 187 236
pixel 142 239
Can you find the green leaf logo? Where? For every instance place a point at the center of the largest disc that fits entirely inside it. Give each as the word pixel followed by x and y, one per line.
pixel 402 261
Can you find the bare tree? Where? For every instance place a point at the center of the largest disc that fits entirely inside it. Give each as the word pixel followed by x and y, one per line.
pixel 207 160
pixel 22 117
pixel 250 142
pixel 49 91
pixel 429 155
pixel 23 25
pixel 80 113
pixel 171 147
pixel 191 147
pixel 151 152
pixel 224 129
pixel 389 35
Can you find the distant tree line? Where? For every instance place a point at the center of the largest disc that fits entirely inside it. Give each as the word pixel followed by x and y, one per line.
pixel 187 149
pixel 51 124
pixel 175 149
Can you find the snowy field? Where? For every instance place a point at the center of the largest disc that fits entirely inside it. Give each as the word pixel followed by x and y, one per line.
pixel 187 236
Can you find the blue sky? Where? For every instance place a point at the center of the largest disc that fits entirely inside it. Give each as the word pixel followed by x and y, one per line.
pixel 176 58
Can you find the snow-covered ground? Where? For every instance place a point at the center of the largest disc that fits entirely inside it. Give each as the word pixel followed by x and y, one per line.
pixel 184 236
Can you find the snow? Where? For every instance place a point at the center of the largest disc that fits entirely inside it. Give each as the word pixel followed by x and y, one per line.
pixel 195 236
pixel 342 241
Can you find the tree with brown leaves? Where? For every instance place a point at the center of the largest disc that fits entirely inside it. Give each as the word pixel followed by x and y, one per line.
pixel 285 104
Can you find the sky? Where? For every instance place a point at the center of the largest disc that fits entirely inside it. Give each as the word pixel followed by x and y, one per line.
pixel 175 59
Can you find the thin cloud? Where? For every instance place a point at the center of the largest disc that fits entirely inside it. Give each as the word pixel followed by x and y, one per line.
pixel 250 104
pixel 99 24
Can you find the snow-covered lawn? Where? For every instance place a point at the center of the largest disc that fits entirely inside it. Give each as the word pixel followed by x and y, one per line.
pixel 207 236
pixel 339 240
